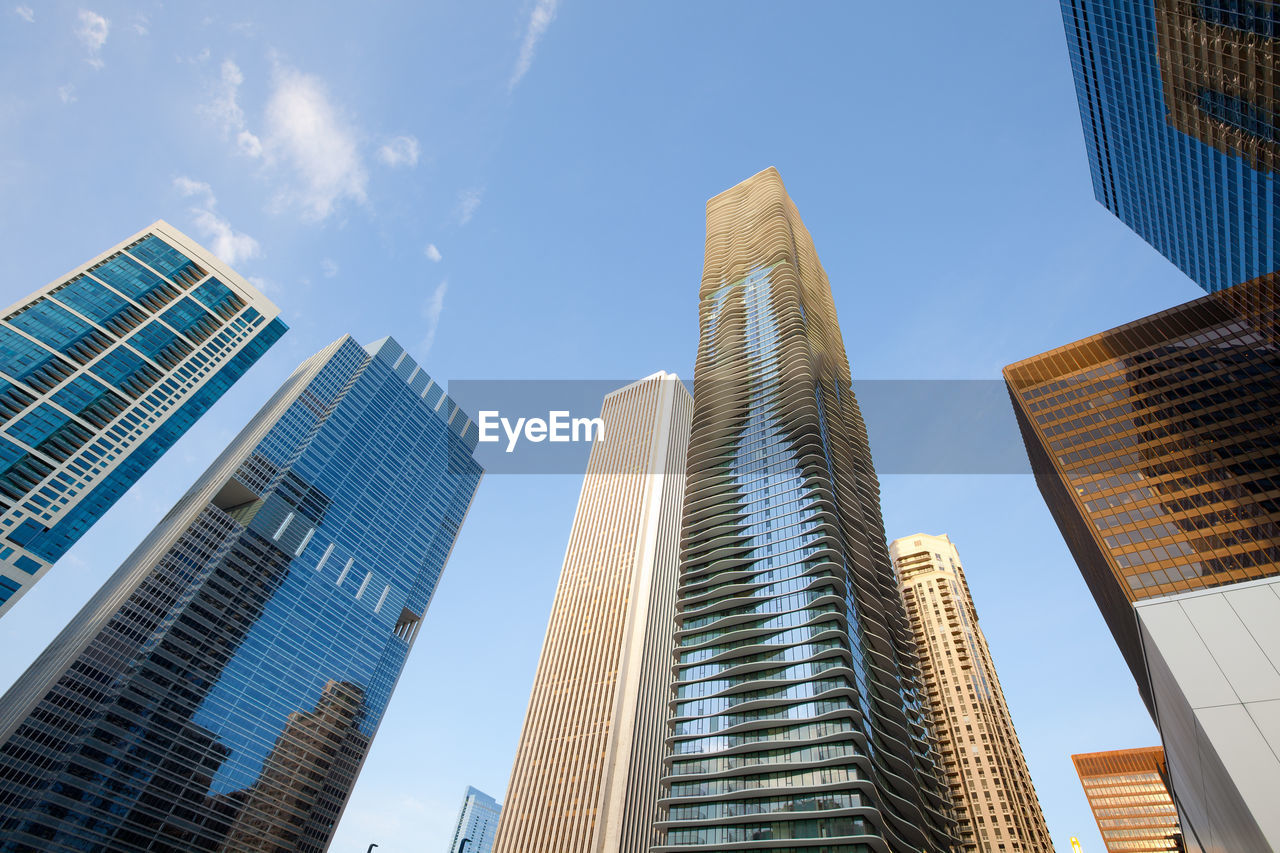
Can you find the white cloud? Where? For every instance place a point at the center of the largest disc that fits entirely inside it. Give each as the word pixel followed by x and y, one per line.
pixel 25 13
pixel 432 311
pixel 265 285
pixel 544 12
pixel 248 144
pixel 310 137
pixel 432 253
pixel 67 94
pixel 328 267
pixel 228 244
pixel 468 203
pixel 141 24
pixel 304 136
pixel 400 151
pixel 92 29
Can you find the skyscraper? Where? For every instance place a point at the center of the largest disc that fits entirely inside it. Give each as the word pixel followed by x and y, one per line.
pixel 101 372
pixel 477 823
pixel 1155 447
pixel 221 691
pixel 1129 799
pixel 991 788
pixel 590 755
pixel 1181 113
pixel 798 712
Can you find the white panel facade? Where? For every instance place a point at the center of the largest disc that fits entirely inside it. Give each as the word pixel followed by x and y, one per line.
pixel 1214 659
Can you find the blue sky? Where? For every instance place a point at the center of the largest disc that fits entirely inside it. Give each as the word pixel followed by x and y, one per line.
pixel 516 189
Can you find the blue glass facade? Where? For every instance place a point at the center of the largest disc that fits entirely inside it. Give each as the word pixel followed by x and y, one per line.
pixel 221 692
pixel 477 823
pixel 1181 112
pixel 100 373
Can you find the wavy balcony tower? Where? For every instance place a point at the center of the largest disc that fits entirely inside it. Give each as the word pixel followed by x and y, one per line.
pixel 798 720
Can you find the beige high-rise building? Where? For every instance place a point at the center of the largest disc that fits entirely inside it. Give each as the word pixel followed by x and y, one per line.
pixel 991 787
pixel 590 756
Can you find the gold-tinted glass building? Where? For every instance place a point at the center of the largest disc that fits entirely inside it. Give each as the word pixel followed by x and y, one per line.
pixel 1130 801
pixel 1156 446
pixel 590 755
pixel 996 803
pixel 1218 65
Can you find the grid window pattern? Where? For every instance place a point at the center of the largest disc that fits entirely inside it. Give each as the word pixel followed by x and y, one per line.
pixel 796 681
pixel 477 823
pixel 222 690
pixel 1180 104
pixel 1155 446
pixel 100 373
pixel 1130 799
pixel 991 787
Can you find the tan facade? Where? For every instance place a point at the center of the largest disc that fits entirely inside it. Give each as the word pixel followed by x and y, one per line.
pixel 590 755
pixel 990 785
pixel 1130 801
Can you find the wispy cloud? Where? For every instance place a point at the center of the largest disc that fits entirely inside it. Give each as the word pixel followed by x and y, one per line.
pixel 224 107
pixel 141 24
pixel 400 151
pixel 468 204
pixel 228 244
pixel 328 267
pixel 67 94
pixel 25 13
pixel 432 311
pixel 92 29
pixel 432 253
pixel 544 12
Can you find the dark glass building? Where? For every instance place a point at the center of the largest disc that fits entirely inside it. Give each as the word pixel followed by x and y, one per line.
pixel 1180 102
pixel 100 373
pixel 221 691
pixel 1156 446
pixel 798 717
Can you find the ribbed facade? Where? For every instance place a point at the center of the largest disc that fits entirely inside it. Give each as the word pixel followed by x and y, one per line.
pixel 996 803
pixel 588 764
pixel 101 371
pixel 798 721
pixel 1130 800
pixel 221 691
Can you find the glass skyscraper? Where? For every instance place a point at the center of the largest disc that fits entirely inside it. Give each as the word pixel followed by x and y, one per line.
pixel 222 690
pixel 100 373
pixel 477 823
pixel 1180 103
pixel 798 715
pixel 1130 800
pixel 1156 446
